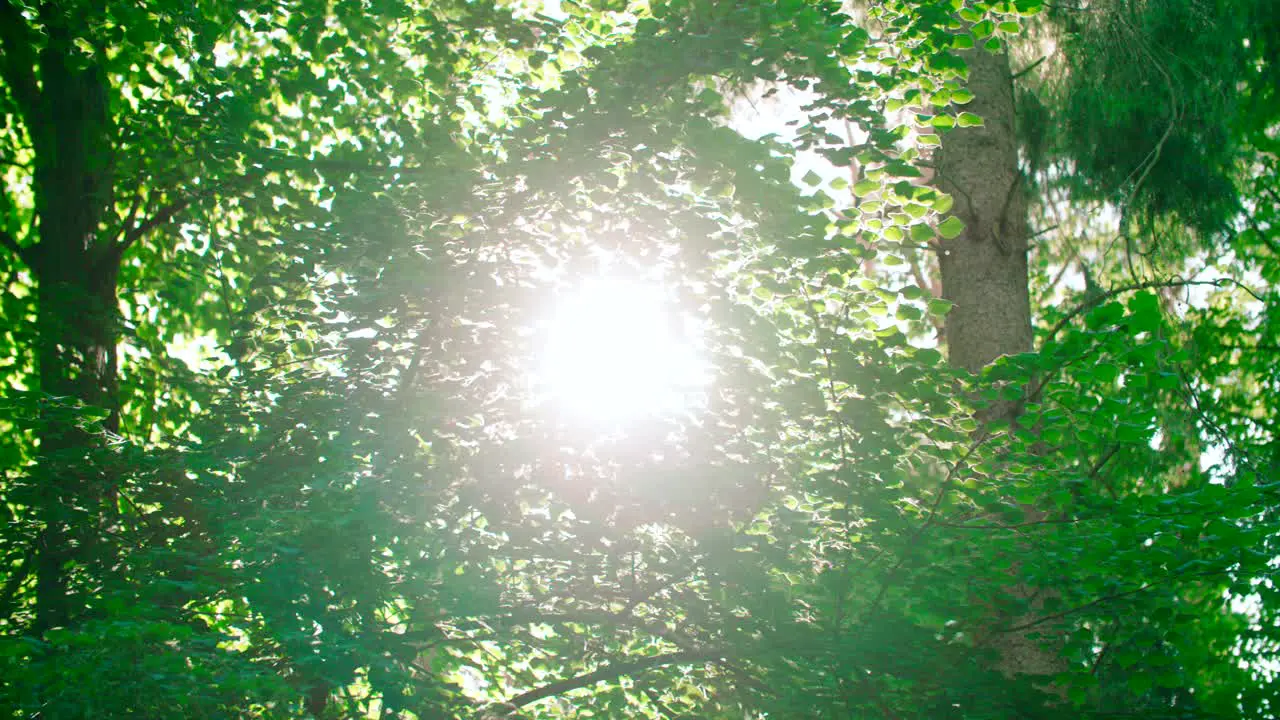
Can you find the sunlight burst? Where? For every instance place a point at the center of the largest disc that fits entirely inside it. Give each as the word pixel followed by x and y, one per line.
pixel 617 349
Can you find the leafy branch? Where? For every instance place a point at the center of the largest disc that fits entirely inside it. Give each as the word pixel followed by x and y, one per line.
pixel 610 672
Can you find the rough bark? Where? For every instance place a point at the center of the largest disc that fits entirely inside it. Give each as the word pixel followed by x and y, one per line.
pixel 984 273
pixel 984 270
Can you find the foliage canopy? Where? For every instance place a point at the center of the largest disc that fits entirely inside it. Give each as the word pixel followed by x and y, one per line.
pixel 276 275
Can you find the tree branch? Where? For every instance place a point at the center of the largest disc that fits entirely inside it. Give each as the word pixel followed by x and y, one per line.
pixel 170 211
pixel 610 672
pixel 1109 598
pixel 1062 271
pixel 1094 302
pixel 129 217
pixel 162 216
pixel 1029 68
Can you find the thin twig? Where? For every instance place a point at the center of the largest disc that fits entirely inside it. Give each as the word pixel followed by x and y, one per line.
pixel 162 216
pixel 129 217
pixel 1029 68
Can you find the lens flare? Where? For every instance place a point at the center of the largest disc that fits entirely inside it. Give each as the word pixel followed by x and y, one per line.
pixel 616 350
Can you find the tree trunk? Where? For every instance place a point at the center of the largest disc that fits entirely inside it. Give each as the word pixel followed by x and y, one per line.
pixel 984 273
pixel 984 270
pixel 76 322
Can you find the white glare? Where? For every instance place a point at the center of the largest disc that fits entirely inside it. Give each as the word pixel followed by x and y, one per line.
pixel 616 349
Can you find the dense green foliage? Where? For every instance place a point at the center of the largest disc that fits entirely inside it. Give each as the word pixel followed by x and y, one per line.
pixel 324 238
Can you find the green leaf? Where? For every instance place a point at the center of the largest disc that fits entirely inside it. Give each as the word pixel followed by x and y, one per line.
pixel 968 119
pixel 865 187
pixel 921 233
pixel 951 227
pixel 908 312
pixel 939 307
pixel 1140 683
pixel 1145 312
pixel 1104 315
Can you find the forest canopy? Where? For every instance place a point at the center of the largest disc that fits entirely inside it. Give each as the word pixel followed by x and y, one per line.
pixel 660 359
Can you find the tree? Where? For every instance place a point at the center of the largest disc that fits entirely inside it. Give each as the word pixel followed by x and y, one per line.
pixel 224 128
pixel 362 511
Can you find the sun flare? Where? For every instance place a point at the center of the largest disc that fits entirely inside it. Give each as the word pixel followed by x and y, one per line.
pixel 618 349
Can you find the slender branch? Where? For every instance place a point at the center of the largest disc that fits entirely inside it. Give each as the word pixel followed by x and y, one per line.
pixel 662 707
pixel 1108 598
pixel 1029 68
pixel 1015 526
pixel 1103 297
pixel 168 212
pixel 930 520
pixel 1260 346
pixel 410 376
pixel 129 217
pixel 1106 648
pixel 1042 231
pixel 1062 271
pixel 297 361
pixel 608 673
pixel 1153 157
pixel 162 216
pixel 1264 236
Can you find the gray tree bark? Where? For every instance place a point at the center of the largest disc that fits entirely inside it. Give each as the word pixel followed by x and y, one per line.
pixel 984 273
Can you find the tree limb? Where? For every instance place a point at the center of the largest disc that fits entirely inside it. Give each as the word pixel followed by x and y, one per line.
pixel 1073 252
pixel 610 672
pixel 169 212
pixel 162 216
pixel 1092 303
pixel 129 217
pixel 1109 598
pixel 1029 68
